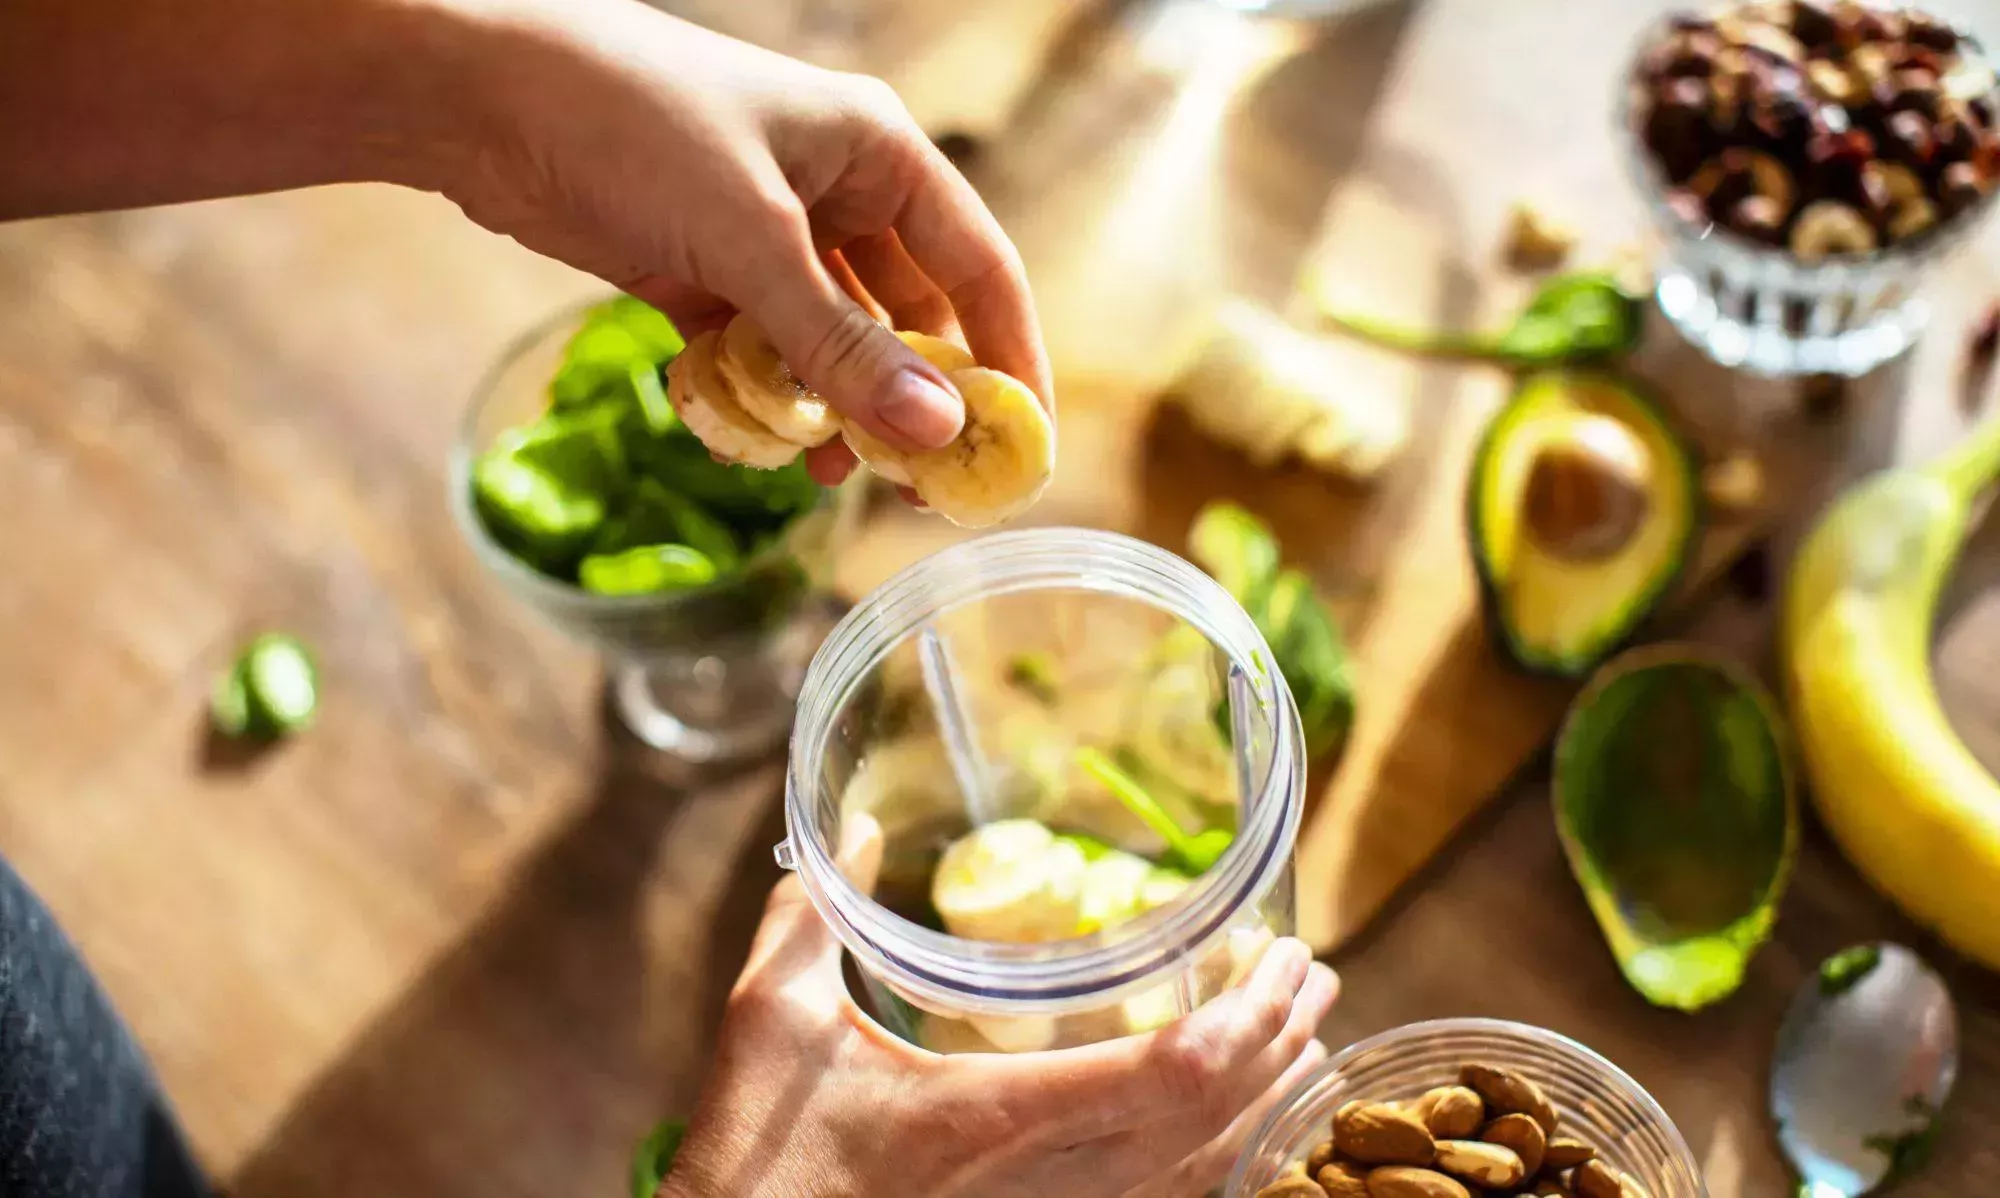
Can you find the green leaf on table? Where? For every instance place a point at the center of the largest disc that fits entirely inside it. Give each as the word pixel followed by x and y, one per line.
pixel 270 690
pixel 1572 318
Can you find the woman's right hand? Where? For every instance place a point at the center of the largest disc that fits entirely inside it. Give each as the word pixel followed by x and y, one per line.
pixel 809 1096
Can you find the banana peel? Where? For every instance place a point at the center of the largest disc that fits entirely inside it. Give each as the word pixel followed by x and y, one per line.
pixel 1895 785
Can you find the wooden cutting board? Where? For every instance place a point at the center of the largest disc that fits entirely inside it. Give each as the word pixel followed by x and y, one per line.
pixel 1165 156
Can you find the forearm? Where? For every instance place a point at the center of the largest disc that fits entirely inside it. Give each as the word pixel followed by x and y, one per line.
pixel 121 103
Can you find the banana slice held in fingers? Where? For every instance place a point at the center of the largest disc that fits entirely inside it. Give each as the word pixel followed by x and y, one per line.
pixel 767 389
pixel 881 458
pixel 997 467
pixel 944 355
pixel 707 405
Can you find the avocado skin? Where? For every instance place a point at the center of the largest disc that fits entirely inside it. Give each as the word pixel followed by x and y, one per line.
pixel 1539 660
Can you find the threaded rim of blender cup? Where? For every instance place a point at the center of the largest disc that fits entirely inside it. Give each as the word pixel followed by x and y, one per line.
pixel 1017 978
pixel 1599 1102
pixel 1773 266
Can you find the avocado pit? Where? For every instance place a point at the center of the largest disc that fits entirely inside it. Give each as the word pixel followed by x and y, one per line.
pixel 1587 490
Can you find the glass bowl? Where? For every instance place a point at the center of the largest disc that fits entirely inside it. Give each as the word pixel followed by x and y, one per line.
pixel 709 674
pixel 1757 308
pixel 1596 1101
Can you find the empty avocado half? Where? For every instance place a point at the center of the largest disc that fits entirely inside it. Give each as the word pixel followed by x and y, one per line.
pixel 1581 511
pixel 1674 802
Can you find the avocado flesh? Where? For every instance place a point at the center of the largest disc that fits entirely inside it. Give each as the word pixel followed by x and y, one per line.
pixel 1675 807
pixel 1556 615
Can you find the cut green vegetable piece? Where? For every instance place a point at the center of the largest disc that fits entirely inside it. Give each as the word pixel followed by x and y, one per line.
pixel 1034 674
pixel 766 497
pixel 1237 550
pixel 1674 804
pixel 596 365
pixel 271 690
pixel 535 515
pixel 1196 853
pixel 648 324
pixel 654 1157
pixel 584 449
pixel 653 403
pixel 646 570
pixel 657 516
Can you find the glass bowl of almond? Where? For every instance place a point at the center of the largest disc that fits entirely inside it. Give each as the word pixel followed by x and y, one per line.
pixel 1458 1108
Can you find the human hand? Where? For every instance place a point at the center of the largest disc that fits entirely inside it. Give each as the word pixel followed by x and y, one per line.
pixel 708 177
pixel 810 1096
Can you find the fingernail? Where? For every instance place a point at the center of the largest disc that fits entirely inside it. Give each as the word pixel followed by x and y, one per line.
pixel 1291 961
pixel 925 413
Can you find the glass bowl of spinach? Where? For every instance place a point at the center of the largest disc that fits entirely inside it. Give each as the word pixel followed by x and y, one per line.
pixel 704 585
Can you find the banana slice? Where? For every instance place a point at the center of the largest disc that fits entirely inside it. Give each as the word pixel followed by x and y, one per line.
pixel 867 446
pixel 1000 463
pixel 1010 881
pixel 1112 886
pixel 944 355
pixel 1016 1033
pixel 768 390
pixel 707 405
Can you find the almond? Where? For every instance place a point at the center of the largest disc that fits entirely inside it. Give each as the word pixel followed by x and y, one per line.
pixel 1563 1153
pixel 1489 1166
pixel 1401 1181
pixel 1292 1187
pixel 1342 1180
pixel 1524 1137
pixel 1454 1113
pixel 1595 1179
pixel 1421 1105
pixel 1379 1134
pixel 1511 1094
pixel 1549 1187
pixel 1319 1158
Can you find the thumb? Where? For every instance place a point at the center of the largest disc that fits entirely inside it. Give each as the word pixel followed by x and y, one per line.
pixel 793 940
pixel 858 365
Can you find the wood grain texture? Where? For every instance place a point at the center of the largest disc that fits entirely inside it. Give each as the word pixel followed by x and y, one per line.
pixel 465 939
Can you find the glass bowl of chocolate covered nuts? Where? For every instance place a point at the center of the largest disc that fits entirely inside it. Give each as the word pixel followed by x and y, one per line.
pixel 1807 161
pixel 1455 1108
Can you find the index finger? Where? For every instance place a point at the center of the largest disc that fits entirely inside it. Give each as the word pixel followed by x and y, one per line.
pixel 951 234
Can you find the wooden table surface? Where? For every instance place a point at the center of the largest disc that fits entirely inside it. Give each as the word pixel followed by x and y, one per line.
pixel 466 937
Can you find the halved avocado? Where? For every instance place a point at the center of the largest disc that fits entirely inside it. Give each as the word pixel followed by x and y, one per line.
pixel 1675 806
pixel 1581 512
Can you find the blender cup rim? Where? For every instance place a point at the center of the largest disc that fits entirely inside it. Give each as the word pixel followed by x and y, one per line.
pixel 540 587
pixel 1027 978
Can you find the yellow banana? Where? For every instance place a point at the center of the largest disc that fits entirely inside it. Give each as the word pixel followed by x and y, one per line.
pixel 1900 792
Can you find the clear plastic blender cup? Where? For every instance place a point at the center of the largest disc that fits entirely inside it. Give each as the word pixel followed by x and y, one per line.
pixel 1040 676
